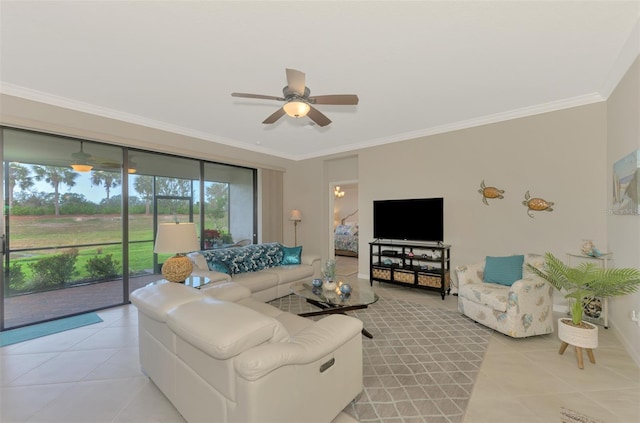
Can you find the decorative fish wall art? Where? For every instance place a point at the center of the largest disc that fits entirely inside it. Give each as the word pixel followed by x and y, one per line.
pixel 536 204
pixel 490 192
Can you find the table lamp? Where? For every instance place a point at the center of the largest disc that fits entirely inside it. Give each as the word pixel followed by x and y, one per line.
pixel 179 238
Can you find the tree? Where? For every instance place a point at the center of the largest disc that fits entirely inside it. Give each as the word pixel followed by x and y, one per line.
pixel 108 180
pixel 19 175
pixel 54 176
pixel 144 186
pixel 217 195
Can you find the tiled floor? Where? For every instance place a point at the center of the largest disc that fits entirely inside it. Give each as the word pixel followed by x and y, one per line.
pixel 92 374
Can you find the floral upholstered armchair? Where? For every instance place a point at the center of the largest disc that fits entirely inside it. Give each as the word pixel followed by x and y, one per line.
pixel 511 299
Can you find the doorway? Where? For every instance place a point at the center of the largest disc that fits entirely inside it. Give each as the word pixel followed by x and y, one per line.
pixel 344 237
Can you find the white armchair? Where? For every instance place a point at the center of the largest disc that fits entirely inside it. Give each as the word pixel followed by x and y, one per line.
pixel 520 310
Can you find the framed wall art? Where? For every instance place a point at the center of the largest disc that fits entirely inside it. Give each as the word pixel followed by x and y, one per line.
pixel 626 187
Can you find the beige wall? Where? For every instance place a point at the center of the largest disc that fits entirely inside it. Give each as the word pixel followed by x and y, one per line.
pixel 623 133
pixel 556 156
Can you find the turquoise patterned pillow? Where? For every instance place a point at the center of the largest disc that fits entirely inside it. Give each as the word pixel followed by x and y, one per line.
pixel 291 255
pixel 218 266
pixel 503 270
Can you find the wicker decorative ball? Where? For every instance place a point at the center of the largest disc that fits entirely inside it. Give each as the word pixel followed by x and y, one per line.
pixel 177 268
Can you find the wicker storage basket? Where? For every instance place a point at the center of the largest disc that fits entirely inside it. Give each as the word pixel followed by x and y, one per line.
pixel 404 277
pixel 382 274
pixel 433 280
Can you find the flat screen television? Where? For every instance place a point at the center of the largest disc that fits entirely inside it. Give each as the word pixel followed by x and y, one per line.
pixel 417 219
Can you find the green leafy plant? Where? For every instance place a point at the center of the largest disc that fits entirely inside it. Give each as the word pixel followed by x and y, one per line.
pixel 103 267
pixel 55 270
pixel 582 284
pixel 16 278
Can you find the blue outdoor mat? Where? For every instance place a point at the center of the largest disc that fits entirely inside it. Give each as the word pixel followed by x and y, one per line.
pixel 26 333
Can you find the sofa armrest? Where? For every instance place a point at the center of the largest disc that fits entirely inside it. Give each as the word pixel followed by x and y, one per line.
pixel 312 260
pixel 308 345
pixel 470 274
pixel 212 275
pixel 522 295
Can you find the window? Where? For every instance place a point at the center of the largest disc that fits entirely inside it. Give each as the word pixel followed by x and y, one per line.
pixel 69 239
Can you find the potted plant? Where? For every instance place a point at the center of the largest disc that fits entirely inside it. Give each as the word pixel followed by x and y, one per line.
pixel 580 285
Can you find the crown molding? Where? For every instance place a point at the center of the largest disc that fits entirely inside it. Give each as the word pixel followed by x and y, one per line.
pixel 58 101
pixel 470 123
pixel 38 96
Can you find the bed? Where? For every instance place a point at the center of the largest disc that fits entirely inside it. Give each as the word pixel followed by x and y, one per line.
pixel 346 240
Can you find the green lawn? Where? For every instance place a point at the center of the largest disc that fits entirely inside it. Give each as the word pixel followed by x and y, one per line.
pixel 36 232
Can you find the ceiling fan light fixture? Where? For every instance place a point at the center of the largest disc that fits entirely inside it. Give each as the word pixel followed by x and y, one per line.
pixel 296 109
pixel 78 167
pixel 80 163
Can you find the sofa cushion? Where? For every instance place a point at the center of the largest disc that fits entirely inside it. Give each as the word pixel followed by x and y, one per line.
pixel 291 273
pixel 223 329
pixel 227 291
pixel 257 281
pixel 503 270
pixel 291 255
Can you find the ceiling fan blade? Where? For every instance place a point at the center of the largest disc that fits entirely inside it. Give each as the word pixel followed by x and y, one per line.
pixel 296 81
pixel 265 97
pixel 340 99
pixel 275 116
pixel 317 116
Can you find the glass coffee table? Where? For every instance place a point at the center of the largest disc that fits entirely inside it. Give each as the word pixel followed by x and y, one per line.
pixel 330 302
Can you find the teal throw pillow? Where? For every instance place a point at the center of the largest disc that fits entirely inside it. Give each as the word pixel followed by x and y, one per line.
pixel 291 255
pixel 503 270
pixel 218 266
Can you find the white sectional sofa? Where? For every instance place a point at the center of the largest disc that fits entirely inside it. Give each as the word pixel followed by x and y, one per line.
pixel 262 268
pixel 219 355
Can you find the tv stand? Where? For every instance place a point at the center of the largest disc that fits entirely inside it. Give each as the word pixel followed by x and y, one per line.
pixel 415 265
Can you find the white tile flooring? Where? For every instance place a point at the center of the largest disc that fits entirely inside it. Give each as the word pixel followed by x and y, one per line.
pixel 92 374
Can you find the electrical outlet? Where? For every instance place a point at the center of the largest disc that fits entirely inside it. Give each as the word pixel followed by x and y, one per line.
pixel 635 316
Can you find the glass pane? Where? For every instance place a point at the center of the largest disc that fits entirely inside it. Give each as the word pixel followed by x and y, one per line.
pixel 229 202
pixel 64 227
pixel 162 189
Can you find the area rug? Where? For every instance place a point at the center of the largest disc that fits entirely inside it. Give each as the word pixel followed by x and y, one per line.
pixel 420 365
pixel 26 333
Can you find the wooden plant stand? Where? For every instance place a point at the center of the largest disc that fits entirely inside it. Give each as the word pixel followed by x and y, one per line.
pixel 592 357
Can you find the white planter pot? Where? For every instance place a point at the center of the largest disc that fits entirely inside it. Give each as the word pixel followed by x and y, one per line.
pixel 579 337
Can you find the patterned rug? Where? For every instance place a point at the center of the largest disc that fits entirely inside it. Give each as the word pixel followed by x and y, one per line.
pixel 420 365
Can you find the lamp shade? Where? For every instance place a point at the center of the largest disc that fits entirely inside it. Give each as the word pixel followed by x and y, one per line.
pixel 176 238
pixel 296 109
pixel 295 215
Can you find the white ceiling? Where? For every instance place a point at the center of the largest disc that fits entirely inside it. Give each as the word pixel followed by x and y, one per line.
pixel 419 67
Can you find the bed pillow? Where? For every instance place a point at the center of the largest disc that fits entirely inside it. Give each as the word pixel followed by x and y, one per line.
pixel 345 230
pixel 291 255
pixel 503 270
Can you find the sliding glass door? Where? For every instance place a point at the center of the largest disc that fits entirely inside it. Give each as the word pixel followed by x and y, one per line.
pixel 81 238
pixel 63 227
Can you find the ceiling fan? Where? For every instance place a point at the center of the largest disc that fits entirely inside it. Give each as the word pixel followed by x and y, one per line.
pixel 298 103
